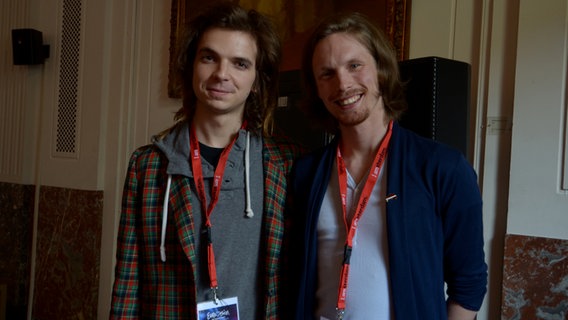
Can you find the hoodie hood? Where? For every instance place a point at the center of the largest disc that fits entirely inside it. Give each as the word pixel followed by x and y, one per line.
pixel 175 146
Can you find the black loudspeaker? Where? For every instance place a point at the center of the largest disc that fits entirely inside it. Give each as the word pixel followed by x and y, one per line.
pixel 438 96
pixel 28 47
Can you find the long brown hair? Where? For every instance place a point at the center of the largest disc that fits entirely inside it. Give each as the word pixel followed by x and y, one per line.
pixel 261 102
pixel 379 47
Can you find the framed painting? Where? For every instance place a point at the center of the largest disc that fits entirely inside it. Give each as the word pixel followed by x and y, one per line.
pixel 294 19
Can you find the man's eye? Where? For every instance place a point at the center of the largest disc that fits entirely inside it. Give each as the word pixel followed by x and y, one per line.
pixel 326 75
pixel 207 58
pixel 242 65
pixel 355 66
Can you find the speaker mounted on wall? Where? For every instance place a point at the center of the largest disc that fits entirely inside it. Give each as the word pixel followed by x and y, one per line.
pixel 28 47
pixel 438 96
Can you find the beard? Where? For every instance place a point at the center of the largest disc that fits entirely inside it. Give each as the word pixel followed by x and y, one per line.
pixel 358 114
pixel 351 119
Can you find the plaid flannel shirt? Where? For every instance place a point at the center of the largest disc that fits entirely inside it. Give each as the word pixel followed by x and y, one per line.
pixel 147 288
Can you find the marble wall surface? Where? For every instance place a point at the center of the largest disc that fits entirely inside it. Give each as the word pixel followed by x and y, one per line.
pixel 535 278
pixel 16 219
pixel 67 253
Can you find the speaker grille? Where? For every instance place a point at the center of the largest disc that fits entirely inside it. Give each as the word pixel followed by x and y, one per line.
pixel 438 96
pixel 68 99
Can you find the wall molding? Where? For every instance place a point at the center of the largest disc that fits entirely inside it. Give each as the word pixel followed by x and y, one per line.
pixel 13 94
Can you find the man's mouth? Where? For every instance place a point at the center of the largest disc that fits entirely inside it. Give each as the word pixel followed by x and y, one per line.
pixel 349 100
pixel 217 90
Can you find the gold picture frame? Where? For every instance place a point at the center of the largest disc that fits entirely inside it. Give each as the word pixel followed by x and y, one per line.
pixel 391 15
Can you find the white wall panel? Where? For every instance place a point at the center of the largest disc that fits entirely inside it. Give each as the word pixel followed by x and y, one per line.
pixel 538 201
pixel 13 94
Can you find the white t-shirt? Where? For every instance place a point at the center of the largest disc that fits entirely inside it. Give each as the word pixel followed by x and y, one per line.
pixel 368 294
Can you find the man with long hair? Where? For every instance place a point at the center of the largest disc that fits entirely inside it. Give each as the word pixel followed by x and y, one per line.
pixel 384 219
pixel 202 214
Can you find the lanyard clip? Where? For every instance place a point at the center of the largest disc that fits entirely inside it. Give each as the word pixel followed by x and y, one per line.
pixel 208 234
pixel 215 298
pixel 347 254
pixel 340 314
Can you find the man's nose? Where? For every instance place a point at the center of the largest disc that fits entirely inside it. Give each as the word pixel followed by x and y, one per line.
pixel 222 70
pixel 344 80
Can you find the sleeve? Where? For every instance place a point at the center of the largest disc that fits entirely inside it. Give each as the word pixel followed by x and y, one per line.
pixel 125 295
pixel 465 270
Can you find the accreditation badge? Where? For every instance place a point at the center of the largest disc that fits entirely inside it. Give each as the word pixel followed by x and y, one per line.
pixel 223 309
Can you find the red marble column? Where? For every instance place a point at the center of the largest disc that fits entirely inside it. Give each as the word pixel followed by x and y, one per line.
pixel 535 278
pixel 68 254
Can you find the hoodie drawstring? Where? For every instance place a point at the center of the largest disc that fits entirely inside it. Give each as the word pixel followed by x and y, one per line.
pixel 248 208
pixel 165 219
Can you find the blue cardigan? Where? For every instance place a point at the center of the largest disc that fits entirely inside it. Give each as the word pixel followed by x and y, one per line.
pixel 435 232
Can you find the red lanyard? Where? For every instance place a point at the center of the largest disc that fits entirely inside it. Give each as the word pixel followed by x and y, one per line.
pixel 360 209
pixel 215 190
